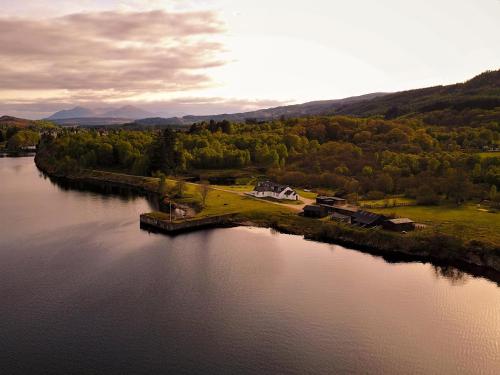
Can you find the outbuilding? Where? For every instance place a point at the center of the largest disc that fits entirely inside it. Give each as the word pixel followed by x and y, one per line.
pixel 402 224
pixel 315 211
pixel 330 201
pixel 367 219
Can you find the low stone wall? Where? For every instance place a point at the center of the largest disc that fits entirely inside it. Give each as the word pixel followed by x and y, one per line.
pixel 190 224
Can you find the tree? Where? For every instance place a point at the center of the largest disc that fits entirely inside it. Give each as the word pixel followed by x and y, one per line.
pixel 162 187
pixel 2 138
pixel 163 153
pixel 204 190
pixel 458 185
pixel 180 188
pixel 426 195
pixel 493 193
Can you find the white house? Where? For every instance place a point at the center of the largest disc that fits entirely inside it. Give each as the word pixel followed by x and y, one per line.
pixel 270 189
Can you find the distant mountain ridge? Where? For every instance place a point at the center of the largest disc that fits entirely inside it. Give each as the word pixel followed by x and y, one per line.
pixel 127 112
pixel 474 101
pixel 314 108
pixel 480 92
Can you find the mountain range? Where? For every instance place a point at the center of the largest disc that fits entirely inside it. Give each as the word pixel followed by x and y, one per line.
pixel 476 100
pixel 126 112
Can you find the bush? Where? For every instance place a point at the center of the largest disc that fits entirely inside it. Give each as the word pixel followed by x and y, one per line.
pixel 374 195
pixel 426 196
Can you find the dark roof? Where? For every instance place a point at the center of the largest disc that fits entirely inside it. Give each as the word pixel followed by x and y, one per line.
pixel 313 208
pixel 366 217
pixel 270 186
pixel 324 197
pixel 343 209
pixel 337 215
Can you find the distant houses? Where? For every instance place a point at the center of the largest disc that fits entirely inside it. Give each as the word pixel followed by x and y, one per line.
pixel 269 189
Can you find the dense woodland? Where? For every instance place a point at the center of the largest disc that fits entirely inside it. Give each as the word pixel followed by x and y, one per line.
pixel 356 157
pixel 15 134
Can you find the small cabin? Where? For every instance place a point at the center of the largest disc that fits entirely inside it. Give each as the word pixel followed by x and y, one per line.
pixel 315 211
pixel 399 225
pixel 367 219
pixel 330 201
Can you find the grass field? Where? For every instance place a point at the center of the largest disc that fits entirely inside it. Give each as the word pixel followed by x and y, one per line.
pixel 222 202
pixel 235 188
pixel 381 203
pixel 484 155
pixel 306 194
pixel 467 222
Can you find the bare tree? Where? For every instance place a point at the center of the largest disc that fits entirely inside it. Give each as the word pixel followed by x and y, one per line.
pixel 204 190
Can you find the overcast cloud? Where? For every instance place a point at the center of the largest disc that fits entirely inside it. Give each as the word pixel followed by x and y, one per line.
pixel 110 54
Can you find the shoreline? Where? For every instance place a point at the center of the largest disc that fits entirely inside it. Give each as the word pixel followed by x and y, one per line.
pixel 437 248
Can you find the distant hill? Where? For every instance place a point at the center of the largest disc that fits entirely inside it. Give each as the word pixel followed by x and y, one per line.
pixel 14 122
pixel 472 102
pixel 322 107
pixel 466 102
pixel 90 121
pixel 127 112
pixel 77 112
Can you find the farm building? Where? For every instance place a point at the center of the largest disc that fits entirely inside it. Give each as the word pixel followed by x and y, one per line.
pixel 330 201
pixel 399 225
pixel 268 189
pixel 344 210
pixel 339 217
pixel 367 219
pixel 315 211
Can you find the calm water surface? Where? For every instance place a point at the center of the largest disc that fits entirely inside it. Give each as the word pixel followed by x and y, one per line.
pixel 84 290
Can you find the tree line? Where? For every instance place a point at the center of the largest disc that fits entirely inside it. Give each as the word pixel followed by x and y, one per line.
pixel 368 157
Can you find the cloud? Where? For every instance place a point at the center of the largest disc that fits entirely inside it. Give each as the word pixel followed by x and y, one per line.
pixel 110 54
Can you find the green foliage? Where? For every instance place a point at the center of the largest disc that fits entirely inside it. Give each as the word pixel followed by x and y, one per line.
pixel 349 155
pixel 23 138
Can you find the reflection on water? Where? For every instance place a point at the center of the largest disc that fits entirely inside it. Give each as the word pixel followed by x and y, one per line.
pixel 455 276
pixel 84 290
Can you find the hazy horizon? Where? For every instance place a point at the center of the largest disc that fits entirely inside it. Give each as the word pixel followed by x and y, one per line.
pixel 218 56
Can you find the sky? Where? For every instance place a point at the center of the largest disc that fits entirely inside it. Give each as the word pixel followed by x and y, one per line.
pixel 176 57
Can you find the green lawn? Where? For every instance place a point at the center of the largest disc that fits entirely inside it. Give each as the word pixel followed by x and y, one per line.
pixel 468 221
pixel 381 203
pixel 235 188
pixel 484 155
pixel 223 202
pixel 306 194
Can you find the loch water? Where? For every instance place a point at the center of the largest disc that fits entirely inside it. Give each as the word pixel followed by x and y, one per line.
pixel 83 290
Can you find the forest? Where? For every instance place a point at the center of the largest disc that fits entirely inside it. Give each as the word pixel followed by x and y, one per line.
pixel 16 134
pixel 369 158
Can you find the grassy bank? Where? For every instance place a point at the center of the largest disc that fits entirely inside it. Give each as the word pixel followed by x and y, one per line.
pixel 467 222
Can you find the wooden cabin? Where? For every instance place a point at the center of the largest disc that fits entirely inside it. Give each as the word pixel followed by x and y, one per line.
pixel 399 225
pixel 315 211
